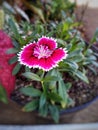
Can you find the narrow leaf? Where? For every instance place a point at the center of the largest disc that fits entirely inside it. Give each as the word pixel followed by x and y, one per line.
pixel 13 60
pixel 44 110
pixel 82 76
pixel 32 76
pixel 14 28
pixel 11 51
pixel 74 53
pixel 16 69
pixel 72 64
pixel 3 95
pixel 63 93
pixel 16 44
pixel 50 78
pixel 54 113
pixel 15 31
pixel 31 106
pixel 30 91
pixel 68 86
pixel 54 96
pixel 42 100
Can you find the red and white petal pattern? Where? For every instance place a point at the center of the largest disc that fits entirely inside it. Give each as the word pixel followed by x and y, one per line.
pixel 26 55
pixel 50 42
pixel 59 54
pixel 43 55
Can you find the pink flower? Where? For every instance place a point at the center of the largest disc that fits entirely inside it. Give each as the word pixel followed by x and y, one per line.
pixel 43 55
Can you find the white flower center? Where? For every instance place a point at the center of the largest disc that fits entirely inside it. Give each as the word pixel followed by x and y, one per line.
pixel 42 51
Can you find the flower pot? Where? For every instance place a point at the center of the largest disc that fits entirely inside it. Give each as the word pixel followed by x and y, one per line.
pixel 19 117
pixel 12 114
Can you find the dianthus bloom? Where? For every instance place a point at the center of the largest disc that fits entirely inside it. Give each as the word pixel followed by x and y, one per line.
pixel 43 55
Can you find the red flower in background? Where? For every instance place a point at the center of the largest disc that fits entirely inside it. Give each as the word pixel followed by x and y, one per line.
pixel 7 80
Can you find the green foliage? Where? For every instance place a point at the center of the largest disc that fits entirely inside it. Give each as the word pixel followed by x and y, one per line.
pixel 32 76
pixel 31 106
pixel 54 90
pixel 16 68
pixel 30 91
pixel 3 96
pixel 54 111
pixel 58 21
pixel 95 37
pixel 57 6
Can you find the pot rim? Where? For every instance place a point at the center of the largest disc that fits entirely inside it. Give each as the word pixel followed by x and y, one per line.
pixel 78 108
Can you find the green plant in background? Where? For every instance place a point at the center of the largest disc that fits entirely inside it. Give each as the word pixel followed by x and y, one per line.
pixel 53 93
pixel 55 8
pixel 3 96
pixel 53 96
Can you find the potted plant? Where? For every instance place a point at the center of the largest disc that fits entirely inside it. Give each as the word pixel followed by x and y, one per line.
pixel 56 70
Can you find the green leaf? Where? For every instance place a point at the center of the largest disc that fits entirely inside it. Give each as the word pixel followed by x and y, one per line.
pixel 30 91
pixel 63 93
pixel 72 64
pixel 11 51
pixel 54 96
pixel 13 27
pixel 62 90
pixel 62 42
pixel 88 52
pixel 42 100
pixel 92 69
pixel 69 46
pixel 44 110
pixel 33 105
pixel 52 83
pixel 2 18
pixel 27 69
pixel 92 57
pixel 68 86
pixel 39 12
pixel 74 53
pixel 70 102
pixel 54 113
pixel 3 95
pixel 50 78
pixel 16 69
pixel 95 63
pixel 16 44
pixel 15 31
pixel 81 44
pixel 13 60
pixel 32 76
pixel 77 58
pixel 94 37
pixel 82 76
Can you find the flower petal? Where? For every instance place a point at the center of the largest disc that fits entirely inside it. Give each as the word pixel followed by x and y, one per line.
pixel 59 54
pixel 50 42
pixel 26 55
pixel 47 64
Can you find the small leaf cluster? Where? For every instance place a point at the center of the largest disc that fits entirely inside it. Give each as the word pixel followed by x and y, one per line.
pixel 51 98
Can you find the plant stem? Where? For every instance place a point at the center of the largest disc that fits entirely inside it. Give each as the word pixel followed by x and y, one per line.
pixel 42 80
pixel 43 86
pixel 42 74
pixel 1 19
